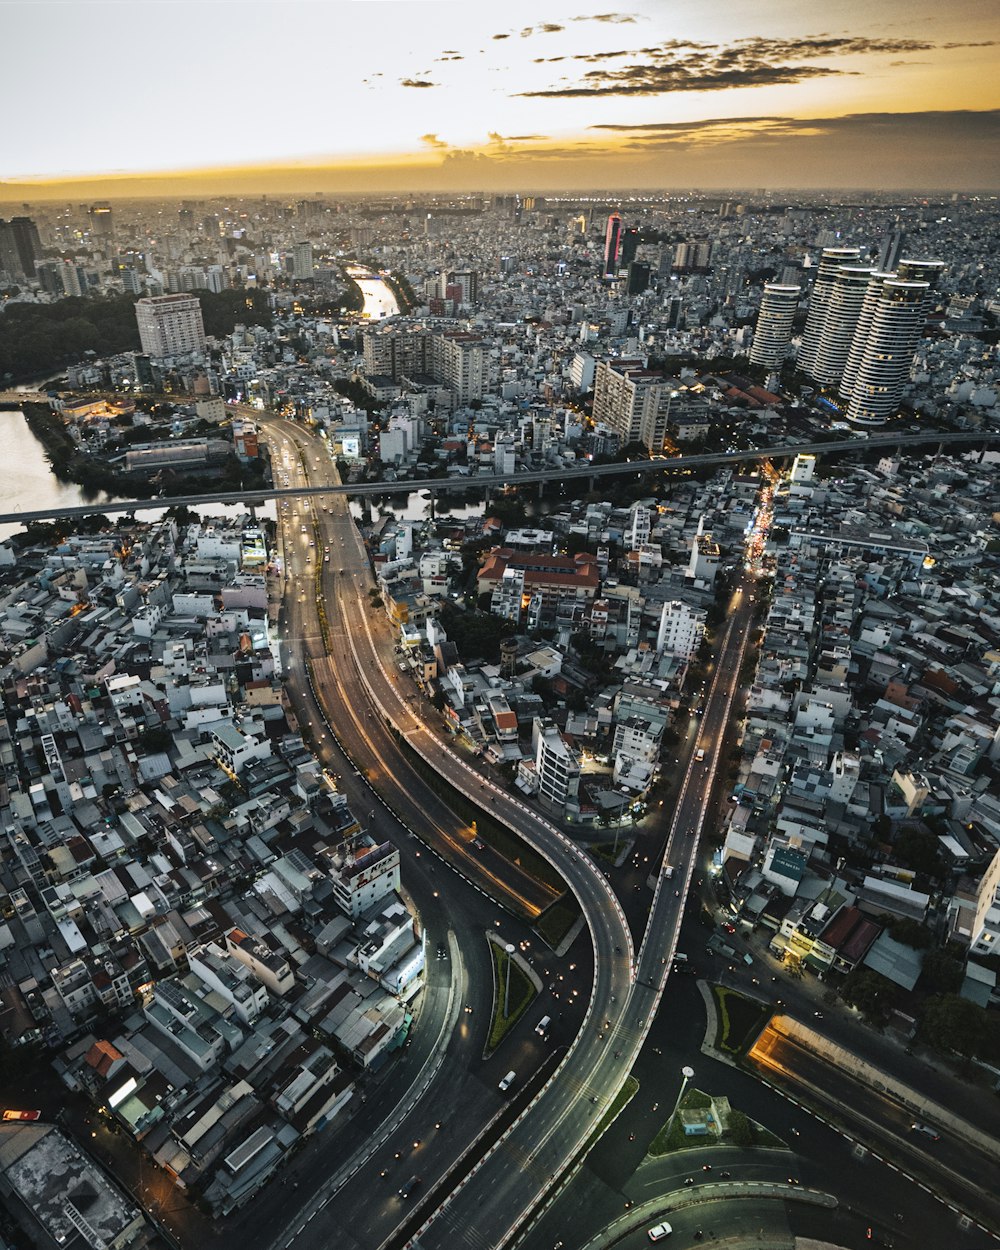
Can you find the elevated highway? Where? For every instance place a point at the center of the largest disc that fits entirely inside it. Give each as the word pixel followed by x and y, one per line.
pixel 494 481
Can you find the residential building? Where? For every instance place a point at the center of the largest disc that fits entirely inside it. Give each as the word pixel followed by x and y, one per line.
pixel 170 325
pixel 772 337
pixel 829 266
pixel 557 766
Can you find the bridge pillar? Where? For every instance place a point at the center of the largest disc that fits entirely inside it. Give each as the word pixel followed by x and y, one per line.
pixel 541 489
pixel 433 504
pixel 592 483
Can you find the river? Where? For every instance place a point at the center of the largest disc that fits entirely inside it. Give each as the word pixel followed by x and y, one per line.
pixel 379 299
pixel 28 482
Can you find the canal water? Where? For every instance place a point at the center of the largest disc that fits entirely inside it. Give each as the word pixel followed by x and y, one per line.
pixel 28 484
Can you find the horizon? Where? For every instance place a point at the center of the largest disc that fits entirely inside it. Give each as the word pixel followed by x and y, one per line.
pixel 432 97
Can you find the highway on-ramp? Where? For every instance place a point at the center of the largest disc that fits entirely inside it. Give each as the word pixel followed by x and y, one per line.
pixel 504 1187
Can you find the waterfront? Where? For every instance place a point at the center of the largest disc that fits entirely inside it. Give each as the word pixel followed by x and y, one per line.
pixel 30 484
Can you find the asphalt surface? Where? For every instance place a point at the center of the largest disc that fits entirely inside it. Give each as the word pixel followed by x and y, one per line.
pixel 821 1158
pixel 363 700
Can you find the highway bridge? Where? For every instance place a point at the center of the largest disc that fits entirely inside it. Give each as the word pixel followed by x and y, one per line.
pixel 493 481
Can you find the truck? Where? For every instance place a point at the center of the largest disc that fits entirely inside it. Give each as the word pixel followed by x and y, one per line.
pixel 716 946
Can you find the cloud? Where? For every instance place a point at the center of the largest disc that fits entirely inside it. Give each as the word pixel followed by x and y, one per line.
pixel 433 141
pixel 543 28
pixel 681 65
pixel 617 18
pixel 867 130
pixel 450 56
pixel 504 143
pixel 416 82
pixel 501 36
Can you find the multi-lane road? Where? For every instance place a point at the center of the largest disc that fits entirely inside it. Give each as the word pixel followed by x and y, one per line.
pixel 353 677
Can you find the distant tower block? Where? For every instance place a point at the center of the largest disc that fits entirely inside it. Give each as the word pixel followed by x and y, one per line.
pixel 508 659
pixel 773 335
pixel 612 244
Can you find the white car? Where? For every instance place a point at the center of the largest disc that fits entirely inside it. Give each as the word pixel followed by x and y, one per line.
pixel 659 1231
pixel 507 1082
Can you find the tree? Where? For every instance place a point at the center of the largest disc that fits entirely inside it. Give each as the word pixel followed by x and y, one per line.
pixel 741 1129
pixel 942 973
pixel 871 993
pixel 911 933
pixel 952 1023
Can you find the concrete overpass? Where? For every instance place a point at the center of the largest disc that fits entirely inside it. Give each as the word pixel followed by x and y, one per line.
pixel 492 481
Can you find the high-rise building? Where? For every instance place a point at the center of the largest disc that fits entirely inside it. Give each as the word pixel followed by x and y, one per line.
pixel 20 247
pixel 302 262
pixel 861 331
pixel 928 271
pixel 889 327
pixel 467 280
pixel 884 366
pixel 773 335
pixel 633 401
pixel 612 244
pixel 890 251
pixel 170 325
pixel 629 246
pixel 837 333
pixel 102 221
pixel 637 279
pixel 830 262
pixel 457 362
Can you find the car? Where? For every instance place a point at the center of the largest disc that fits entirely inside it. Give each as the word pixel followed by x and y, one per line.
pixel 508 1081
pixel 659 1231
pixel 406 1190
pixel 914 1128
pixel 22 1115
pixel 699 755
pixel 729 928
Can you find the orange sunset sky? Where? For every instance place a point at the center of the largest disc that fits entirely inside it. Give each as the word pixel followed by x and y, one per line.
pixel 159 97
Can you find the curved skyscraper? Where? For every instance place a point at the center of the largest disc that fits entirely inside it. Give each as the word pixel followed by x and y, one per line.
pixel 884 365
pixel 843 309
pixel 829 263
pixel 773 335
pixel 861 332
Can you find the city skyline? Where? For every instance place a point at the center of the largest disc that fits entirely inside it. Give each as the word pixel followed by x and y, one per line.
pixel 437 96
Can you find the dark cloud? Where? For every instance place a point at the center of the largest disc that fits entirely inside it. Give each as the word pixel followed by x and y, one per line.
pixel 981 43
pixel 703 124
pixel 681 65
pixel 416 82
pixel 543 28
pixel 432 141
pixel 448 57
pixel 501 36
pixel 595 58
pixel 942 127
pixel 608 17
pixel 504 140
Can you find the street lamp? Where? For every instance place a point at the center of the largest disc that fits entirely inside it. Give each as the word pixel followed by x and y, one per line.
pixel 687 1074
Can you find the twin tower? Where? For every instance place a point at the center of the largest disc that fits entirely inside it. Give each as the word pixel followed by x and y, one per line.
pixel 861 333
